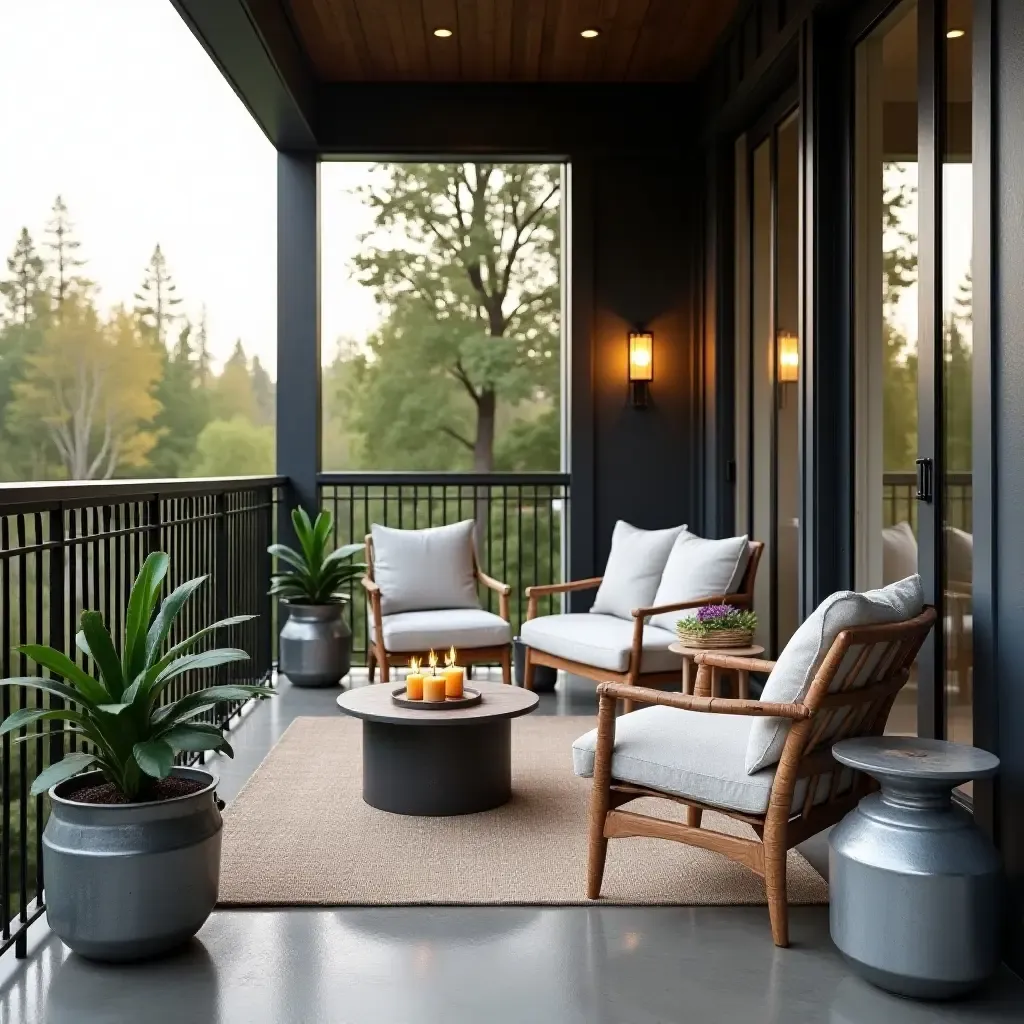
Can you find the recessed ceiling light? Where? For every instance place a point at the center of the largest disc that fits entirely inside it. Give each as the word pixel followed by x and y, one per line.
pixel 590 33
pixel 443 33
pixel 955 33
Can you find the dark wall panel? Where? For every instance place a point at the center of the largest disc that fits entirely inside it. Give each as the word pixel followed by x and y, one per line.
pixel 645 241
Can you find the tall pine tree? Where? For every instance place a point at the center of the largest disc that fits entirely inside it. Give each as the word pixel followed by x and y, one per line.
pixel 23 290
pixel 156 301
pixel 62 247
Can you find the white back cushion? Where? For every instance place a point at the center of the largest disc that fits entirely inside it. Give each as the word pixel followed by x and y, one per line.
pixel 959 557
pixel 899 552
pixel 699 568
pixel 634 569
pixel 420 570
pixel 802 657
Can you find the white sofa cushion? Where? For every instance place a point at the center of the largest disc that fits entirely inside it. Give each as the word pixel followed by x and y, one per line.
pixel 800 660
pixel 695 755
pixel 601 641
pixel 443 628
pixel 899 552
pixel 959 557
pixel 419 570
pixel 634 569
pixel 699 568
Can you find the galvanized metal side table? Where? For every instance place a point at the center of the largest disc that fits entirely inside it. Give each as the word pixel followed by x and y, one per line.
pixel 914 883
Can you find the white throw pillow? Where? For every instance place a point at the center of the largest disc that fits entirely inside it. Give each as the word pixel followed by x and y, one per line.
pixel 421 570
pixel 899 552
pixel 800 660
pixel 699 568
pixel 634 569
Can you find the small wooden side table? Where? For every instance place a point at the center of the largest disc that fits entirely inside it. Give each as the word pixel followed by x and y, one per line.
pixel 689 676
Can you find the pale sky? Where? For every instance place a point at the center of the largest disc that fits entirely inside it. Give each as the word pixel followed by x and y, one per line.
pixel 115 105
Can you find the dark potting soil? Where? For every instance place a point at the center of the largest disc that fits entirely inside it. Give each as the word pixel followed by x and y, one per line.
pixel 162 789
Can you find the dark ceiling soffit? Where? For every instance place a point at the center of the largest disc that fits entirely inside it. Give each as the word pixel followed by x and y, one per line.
pixel 255 48
pixel 537 120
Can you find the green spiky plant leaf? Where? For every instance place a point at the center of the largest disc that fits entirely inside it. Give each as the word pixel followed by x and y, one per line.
pixel 134 737
pixel 318 575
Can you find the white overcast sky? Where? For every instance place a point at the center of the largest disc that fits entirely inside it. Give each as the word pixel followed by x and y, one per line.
pixel 114 105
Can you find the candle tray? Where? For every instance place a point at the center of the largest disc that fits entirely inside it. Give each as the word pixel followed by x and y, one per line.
pixel 467 700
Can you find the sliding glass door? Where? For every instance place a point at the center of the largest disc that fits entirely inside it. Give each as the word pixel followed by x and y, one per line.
pixel 767 362
pixel 912 337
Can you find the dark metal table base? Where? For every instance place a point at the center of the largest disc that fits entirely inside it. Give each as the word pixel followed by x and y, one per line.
pixel 455 769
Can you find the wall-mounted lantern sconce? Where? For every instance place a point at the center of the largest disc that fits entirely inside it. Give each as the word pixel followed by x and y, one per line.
pixel 641 366
pixel 789 358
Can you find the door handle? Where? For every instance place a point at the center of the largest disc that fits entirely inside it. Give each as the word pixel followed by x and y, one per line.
pixel 924 480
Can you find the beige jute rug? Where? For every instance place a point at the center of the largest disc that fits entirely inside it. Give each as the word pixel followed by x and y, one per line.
pixel 299 834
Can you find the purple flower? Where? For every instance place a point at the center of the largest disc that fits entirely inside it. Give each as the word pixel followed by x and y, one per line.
pixel 714 611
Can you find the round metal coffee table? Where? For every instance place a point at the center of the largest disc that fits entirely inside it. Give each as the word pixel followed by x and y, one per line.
pixel 437 762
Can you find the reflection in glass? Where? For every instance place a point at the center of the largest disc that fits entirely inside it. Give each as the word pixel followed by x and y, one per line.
pixel 957 349
pixel 886 313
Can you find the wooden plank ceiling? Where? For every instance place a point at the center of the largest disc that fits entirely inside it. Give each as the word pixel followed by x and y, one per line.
pixel 509 40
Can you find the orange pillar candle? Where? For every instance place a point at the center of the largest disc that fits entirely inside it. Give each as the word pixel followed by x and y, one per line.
pixel 433 688
pixel 414 683
pixel 453 675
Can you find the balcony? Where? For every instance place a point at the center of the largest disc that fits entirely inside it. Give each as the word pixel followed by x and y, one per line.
pixel 70 546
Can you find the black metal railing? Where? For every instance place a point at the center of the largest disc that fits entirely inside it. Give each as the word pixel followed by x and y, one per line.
pixel 69 547
pixel 899 501
pixel 521 524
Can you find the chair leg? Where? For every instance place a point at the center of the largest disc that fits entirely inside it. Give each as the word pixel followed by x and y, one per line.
pixel 385 668
pixel 371 663
pixel 469 672
pixel 600 798
pixel 775 884
pixel 528 670
pixel 506 666
pixel 693 816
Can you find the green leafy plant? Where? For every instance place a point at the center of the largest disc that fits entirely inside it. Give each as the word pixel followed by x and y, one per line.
pixel 714 618
pixel 318 575
pixel 117 710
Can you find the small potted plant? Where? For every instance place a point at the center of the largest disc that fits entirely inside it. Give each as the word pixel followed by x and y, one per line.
pixel 131 850
pixel 717 626
pixel 316 642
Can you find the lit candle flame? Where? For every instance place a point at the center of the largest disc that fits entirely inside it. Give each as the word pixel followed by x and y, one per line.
pixel 432 659
pixel 449 658
pixel 414 665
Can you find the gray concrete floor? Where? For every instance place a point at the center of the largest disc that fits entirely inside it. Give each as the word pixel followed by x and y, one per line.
pixel 463 965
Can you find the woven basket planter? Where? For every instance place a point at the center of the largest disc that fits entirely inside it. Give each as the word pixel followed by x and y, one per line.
pixel 720 639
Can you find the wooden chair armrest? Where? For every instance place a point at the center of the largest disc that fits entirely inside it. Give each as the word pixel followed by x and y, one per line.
pixel 714 659
pixel 714 705
pixel 563 588
pixel 643 613
pixel 492 584
pixel 369 586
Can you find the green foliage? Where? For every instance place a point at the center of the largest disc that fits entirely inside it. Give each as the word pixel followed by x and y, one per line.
pixel 318 575
pixel 117 709
pixel 233 448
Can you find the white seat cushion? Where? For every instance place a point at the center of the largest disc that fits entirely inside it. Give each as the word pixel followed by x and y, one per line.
pixel 443 628
pixel 634 569
pixel 421 570
pixel 802 657
pixel 695 755
pixel 601 641
pixel 699 568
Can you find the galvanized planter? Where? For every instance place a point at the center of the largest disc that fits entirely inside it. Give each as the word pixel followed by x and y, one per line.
pixel 316 645
pixel 131 881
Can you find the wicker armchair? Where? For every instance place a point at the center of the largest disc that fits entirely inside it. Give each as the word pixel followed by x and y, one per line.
pixel 850 695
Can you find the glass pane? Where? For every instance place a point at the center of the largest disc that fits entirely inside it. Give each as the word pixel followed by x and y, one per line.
pixel 956 369
pixel 762 376
pixel 787 369
pixel 886 313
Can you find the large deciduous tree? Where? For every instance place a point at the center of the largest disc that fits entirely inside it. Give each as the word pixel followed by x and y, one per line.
pixel 90 385
pixel 465 257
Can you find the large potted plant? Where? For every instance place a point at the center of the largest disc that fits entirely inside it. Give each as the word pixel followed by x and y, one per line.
pixel 316 642
pixel 131 850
